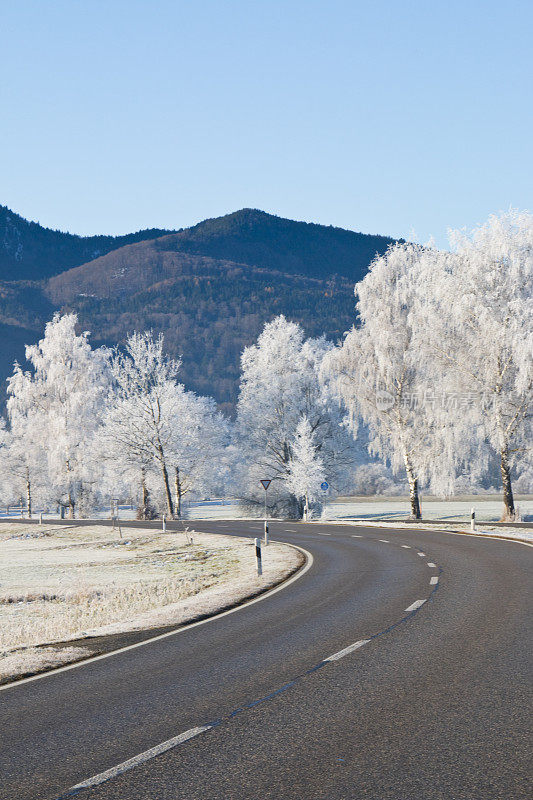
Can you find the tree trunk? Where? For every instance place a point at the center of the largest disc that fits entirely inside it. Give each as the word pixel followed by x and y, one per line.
pixel 145 509
pixel 71 506
pixel 145 497
pixel 168 493
pixel 413 489
pixel 28 492
pixel 509 512
pixel 177 483
pixel 70 503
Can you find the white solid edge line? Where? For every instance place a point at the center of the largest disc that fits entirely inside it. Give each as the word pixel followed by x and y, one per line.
pixel 433 581
pixel 88 661
pixel 349 649
pixel 432 565
pixel 486 535
pixel 140 759
pixel 415 605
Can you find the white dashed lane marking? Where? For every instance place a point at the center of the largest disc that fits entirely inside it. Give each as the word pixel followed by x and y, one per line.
pixel 415 605
pixel 406 546
pixel 432 565
pixel 349 649
pixel 384 540
pixel 422 555
pixel 356 536
pixel 140 759
pixel 434 580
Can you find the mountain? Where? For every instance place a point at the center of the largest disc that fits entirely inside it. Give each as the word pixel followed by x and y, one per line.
pixel 209 288
pixel 30 252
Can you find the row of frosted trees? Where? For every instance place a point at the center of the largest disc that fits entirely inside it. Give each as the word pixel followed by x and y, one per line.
pixel 435 379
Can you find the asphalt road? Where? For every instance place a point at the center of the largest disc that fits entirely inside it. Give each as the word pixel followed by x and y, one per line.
pixel 434 705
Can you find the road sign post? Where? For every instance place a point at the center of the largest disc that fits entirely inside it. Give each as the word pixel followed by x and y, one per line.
pixel 265 483
pixel 473 520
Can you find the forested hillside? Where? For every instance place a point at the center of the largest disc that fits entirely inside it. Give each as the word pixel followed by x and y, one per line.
pixel 209 289
pixel 30 252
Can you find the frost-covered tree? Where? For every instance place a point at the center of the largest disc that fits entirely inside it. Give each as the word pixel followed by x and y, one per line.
pixel 153 426
pixel 23 464
pixel 121 447
pixel 197 447
pixel 479 326
pixel 382 377
pixel 55 407
pixel 280 385
pixel 141 414
pixel 306 470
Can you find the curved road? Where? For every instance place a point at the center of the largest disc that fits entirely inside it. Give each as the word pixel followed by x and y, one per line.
pixel 435 704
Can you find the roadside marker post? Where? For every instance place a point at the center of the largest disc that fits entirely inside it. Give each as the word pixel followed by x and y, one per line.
pixel 473 520
pixel 265 483
pixel 164 523
pixel 40 518
pixel 257 543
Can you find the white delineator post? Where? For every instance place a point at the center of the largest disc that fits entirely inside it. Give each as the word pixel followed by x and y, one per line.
pixel 257 543
pixel 473 520
pixel 164 524
pixel 40 517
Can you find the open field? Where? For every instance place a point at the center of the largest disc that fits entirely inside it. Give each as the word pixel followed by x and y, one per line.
pixel 64 583
pixel 488 508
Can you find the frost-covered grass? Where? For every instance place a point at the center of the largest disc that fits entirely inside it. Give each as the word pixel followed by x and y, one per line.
pixel 60 584
pixel 488 508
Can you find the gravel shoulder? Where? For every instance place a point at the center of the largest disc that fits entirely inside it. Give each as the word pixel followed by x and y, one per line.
pixel 68 593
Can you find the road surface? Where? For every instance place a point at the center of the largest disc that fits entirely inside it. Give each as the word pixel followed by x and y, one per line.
pixel 433 705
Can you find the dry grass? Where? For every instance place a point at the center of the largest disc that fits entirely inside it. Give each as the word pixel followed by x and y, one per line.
pixel 60 584
pixel 56 583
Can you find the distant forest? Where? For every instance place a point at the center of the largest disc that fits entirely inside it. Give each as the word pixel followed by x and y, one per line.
pixel 209 288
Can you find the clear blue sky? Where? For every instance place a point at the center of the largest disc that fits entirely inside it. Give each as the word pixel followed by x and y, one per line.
pixel 380 116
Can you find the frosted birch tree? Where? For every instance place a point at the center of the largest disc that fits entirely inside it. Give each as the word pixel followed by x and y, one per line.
pixel 306 470
pixel 144 395
pixel 197 446
pixel 55 407
pixel 380 373
pixel 480 328
pixel 22 461
pixel 123 448
pixel 152 424
pixel 279 385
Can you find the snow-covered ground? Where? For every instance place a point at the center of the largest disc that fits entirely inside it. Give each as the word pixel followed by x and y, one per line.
pixel 488 508
pixel 61 584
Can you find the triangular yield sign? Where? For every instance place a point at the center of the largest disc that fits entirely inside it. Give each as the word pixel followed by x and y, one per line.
pixel 265 484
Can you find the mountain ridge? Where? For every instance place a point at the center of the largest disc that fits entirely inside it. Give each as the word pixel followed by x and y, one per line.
pixel 209 289
pixel 26 246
